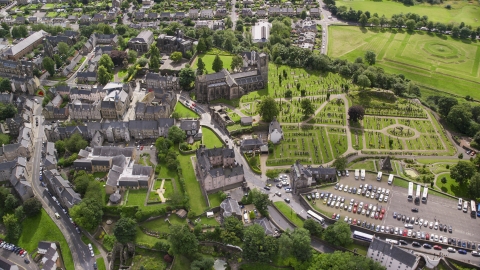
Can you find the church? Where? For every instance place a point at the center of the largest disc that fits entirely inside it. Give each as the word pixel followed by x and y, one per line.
pixel 226 85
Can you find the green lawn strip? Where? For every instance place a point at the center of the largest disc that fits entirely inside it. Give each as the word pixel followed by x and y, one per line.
pixel 357 139
pixel 452 187
pixel 168 186
pixel 289 213
pixel 214 199
pixel 87 241
pixel 208 61
pixel 210 138
pixel 122 73
pixel 42 228
pixel 365 164
pixel 197 201
pixel 263 266
pixel 361 250
pixel 160 225
pixel 150 260
pixel 433 161
pixel 142 238
pixel 137 196
pixel 184 112
pixel 101 264
pixel 181 263
pixel 400 182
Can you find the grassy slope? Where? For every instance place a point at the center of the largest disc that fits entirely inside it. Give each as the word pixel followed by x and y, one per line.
pixel 197 201
pixel 289 213
pixel 461 11
pixel 400 53
pixel 210 138
pixel 452 187
pixel 42 228
pixel 184 111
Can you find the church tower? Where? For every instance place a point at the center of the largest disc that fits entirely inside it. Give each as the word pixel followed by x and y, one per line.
pixel 262 66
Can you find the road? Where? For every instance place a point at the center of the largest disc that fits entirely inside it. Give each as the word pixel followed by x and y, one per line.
pixel 233 14
pixel 80 253
pixel 138 95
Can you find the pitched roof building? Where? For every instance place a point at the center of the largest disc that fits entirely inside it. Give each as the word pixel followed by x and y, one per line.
pixel 304 176
pixel 25 46
pixel 391 256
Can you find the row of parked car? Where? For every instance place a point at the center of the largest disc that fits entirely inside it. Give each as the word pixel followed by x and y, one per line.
pixel 17 250
pixel 369 191
pixel 369 210
pixel 449 249
pixel 410 221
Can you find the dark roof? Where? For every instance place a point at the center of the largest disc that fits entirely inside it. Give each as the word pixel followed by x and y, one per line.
pixel 394 252
pixel 230 206
pixel 190 125
pixel 386 164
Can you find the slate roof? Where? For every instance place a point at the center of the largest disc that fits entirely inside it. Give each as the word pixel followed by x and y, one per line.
pixel 266 225
pixel 393 251
pixel 26 42
pixel 230 207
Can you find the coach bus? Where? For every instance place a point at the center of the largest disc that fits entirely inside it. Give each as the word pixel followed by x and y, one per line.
pixel 410 191
pixel 425 195
pixel 473 207
pixel 363 236
pixel 315 216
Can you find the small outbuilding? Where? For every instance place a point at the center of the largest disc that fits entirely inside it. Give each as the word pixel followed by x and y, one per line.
pixel 246 121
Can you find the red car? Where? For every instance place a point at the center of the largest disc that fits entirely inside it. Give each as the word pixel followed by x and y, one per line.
pixel 354 209
pixel 427 236
pixel 383 211
pixel 141 148
pixel 354 221
pixel 355 204
pixel 405 232
pixel 366 206
pixel 380 216
pixel 437 247
pixel 334 215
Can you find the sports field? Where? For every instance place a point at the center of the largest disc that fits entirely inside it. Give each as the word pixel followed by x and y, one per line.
pixel 461 11
pixel 438 62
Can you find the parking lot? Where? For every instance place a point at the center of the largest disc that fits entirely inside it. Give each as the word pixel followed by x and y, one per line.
pixel 17 259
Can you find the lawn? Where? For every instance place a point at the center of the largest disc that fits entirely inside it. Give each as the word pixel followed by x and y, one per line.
pixel 185 112
pixel 208 61
pixel 149 260
pixel 289 213
pixel 263 266
pixel 101 264
pixel 141 238
pixel 438 62
pixel 214 199
pixel 159 224
pixel 432 161
pixel 361 250
pixel 122 73
pixel 136 196
pixel 366 164
pixel 400 182
pixel 168 186
pixel 197 201
pixel 181 263
pixel 210 138
pixel 461 11
pixel 452 187
pixel 42 228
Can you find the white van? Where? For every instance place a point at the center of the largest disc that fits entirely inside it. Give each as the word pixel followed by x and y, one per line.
pixel 357 174
pixel 379 176
pixel 57 215
pixel 390 179
pixel 460 203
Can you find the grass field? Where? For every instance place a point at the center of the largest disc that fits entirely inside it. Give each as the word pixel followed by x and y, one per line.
pixel 42 228
pixel 461 11
pixel 208 61
pixel 101 264
pixel 289 213
pixel 210 138
pixel 452 187
pixel 263 266
pixel 438 62
pixel 150 260
pixel 136 196
pixel 185 112
pixel 366 164
pixel 197 201
pixel 159 224
pixel 214 199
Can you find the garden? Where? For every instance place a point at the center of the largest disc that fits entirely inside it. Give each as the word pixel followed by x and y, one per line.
pixel 208 58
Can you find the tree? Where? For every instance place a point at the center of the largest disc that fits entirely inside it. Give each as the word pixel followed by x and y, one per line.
pixel 363 20
pixel 370 57
pixel 103 75
pixel 363 81
pixel 182 241
pixel 261 201
pixel 356 112
pixel 445 104
pixel 375 21
pixel 206 263
pixel 5 85
pixel 257 246
pixel 237 63
pixel 32 207
pixel 81 182
pixel 268 109
pixel 455 32
pixel 285 244
pixel 217 64
pixel 63 48
pixel 154 63
pixel 313 227
pixel 201 46
pixel 463 171
pixel 125 230
pixel 87 214
pixel 132 56
pixel 410 25
pixel 118 57
pixel 49 65
pixel 19 213
pixel 474 186
pixel 176 56
pixel 234 225
pixel 11 202
pixel 4 192
pixel 307 107
pixel 460 116
pixel 340 163
pixel 176 135
pixel 301 244
pixel 186 77
pixel 107 62
pixel 444 180
pixel 200 66
pixel 343 261
pixel 13 227
pixel 338 234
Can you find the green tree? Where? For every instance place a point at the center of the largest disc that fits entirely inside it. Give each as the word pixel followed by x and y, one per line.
pixel 268 109
pixel 410 25
pixel 445 104
pixel 132 56
pixel 11 202
pixel 338 234
pixel 375 21
pixel 363 20
pixel 474 186
pixel 363 81
pixel 154 63
pixel 313 227
pixel 87 214
pixel 340 163
pixel 63 48
pixel 261 201
pixel 356 112
pixel 444 180
pixel 176 135
pixel 32 207
pixel 303 15
pixel 103 75
pixel 257 246
pixel 200 66
pixel 201 46
pixel 234 225
pixel 186 77
pixel 176 56
pixel 205 263
pixel 370 57
pixel 81 183
pixel 122 43
pixel 4 192
pixel 307 107
pixel 125 230
pixel 107 62
pixel 5 85
pixel 343 261
pixel 463 171
pixel 162 145
pixel 60 146
pixel 284 243
pixel 49 65
pixel 13 227
pixel 301 244
pixel 19 213
pixel 182 241
pixel 460 116
pixel 217 64
pixel 237 63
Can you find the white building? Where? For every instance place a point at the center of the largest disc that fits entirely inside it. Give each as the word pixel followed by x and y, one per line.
pixel 275 132
pixel 391 256
pixel 261 32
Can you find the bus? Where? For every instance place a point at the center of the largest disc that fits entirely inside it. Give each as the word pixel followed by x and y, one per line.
pixel 363 236
pixel 362 174
pixel 410 191
pixel 357 174
pixel 473 207
pixel 379 176
pixel 315 217
pixel 478 210
pixel 390 179
pixel 425 194
pixel 391 241
pixel 419 191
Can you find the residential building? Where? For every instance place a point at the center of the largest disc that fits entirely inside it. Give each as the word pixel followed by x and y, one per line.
pixel 261 13
pixel 165 16
pixel 247 12
pixel 115 104
pixel 9 68
pixel 61 189
pixel 193 14
pixel 230 207
pixel 391 256
pixel 192 129
pixel 49 255
pixel 217 170
pixel 98 18
pixel 49 156
pixel 79 110
pixel 246 121
pixel 252 145
pixel 221 13
pixel 15 172
pixel 206 14
pixel 139 15
pixel 142 42
pixel 260 31
pixel 25 84
pixel 158 81
pixel 224 84
pixel 315 12
pixel 179 15
pixel 275 132
pixel 178 43
pixel 152 16
pixel 86 77
pixel 25 46
pixel 303 177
